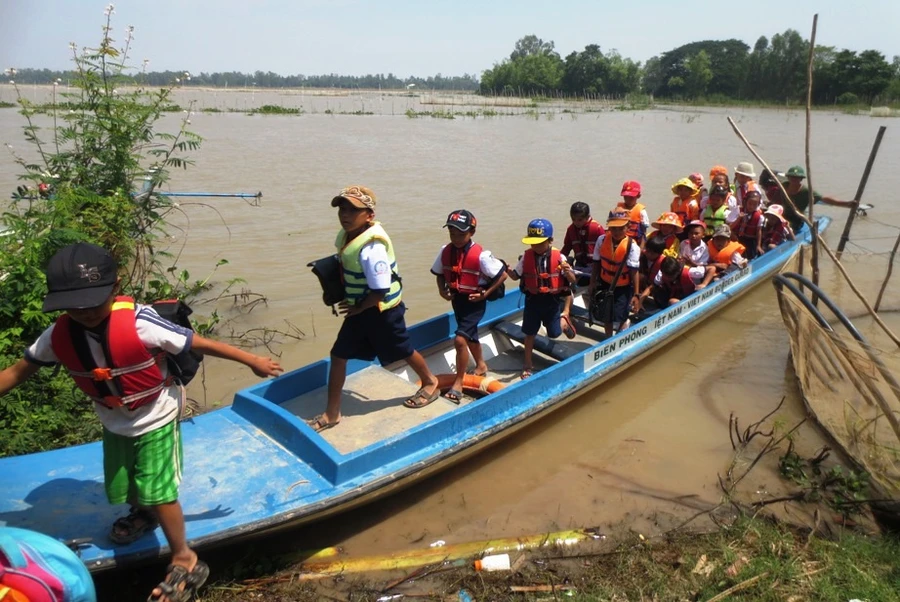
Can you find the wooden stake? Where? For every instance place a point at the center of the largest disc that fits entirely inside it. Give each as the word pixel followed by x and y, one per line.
pixel 845 236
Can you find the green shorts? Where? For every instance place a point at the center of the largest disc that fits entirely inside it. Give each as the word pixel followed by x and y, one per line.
pixel 144 470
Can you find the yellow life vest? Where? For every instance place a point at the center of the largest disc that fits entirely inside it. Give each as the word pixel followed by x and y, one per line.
pixel 355 286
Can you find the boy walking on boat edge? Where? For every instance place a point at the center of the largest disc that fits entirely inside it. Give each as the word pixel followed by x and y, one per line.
pixel 135 398
pixel 373 311
pixel 547 279
pixel 467 275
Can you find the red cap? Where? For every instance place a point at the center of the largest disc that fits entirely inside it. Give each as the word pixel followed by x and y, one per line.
pixel 631 188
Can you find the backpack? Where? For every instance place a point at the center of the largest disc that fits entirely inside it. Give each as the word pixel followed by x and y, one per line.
pixel 185 365
pixel 328 271
pixel 38 568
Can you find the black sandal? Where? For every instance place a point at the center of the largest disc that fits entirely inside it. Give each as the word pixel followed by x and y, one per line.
pixel 177 575
pixel 133 526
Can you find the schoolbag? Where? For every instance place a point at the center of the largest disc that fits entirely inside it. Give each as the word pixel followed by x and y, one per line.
pixel 185 365
pixel 328 271
pixel 38 568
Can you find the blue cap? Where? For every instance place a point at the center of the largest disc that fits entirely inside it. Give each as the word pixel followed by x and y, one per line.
pixel 539 230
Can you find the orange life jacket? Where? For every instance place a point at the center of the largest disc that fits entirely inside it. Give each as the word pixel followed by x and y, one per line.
pixel 749 225
pixel 636 225
pixel 462 268
pixel 724 254
pixel 542 283
pixel 687 210
pixel 611 259
pixel 583 241
pixel 134 377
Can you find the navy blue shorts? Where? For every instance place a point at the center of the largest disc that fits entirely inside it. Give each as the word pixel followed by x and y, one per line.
pixel 542 309
pixel 468 315
pixel 374 334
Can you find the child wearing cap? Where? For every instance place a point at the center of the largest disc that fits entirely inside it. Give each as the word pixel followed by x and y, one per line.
pixel 776 229
pixel 718 176
pixel 685 204
pixel 135 397
pixel 725 254
pixel 668 227
pixel 743 181
pixel 467 275
pixel 749 225
pixel 638 220
pixel 581 236
pixel 373 311
pixel 546 279
pixel 693 251
pixel 615 275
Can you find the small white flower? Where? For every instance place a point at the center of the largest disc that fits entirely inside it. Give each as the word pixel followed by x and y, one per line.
pixel 109 10
pixel 187 121
pixel 177 80
pixel 12 82
pixel 72 46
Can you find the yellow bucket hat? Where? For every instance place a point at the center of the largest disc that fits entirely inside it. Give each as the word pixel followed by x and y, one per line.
pixel 684 182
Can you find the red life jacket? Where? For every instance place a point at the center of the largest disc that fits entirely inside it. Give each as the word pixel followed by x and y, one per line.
pixel 610 260
pixel 635 221
pixel 682 287
pixel 583 241
pixel 750 224
pixel 133 377
pixel 542 283
pixel 462 268
pixel 654 268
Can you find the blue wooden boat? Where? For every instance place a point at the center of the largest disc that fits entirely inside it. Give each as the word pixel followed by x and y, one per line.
pixel 256 467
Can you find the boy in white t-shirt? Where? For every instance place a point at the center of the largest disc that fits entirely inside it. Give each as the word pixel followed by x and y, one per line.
pixel 467 275
pixel 135 398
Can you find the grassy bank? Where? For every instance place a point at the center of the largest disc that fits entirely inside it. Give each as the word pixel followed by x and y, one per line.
pixel 751 559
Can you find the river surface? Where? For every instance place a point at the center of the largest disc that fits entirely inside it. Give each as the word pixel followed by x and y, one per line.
pixel 648 443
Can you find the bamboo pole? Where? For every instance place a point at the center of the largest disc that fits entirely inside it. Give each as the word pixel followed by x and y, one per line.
pixel 845 236
pixel 809 178
pixel 828 251
pixel 887 276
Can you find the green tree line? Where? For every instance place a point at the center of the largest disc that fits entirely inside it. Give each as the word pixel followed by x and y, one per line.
pixel 774 71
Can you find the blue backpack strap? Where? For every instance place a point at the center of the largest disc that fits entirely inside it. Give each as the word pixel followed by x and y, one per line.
pixel 11 550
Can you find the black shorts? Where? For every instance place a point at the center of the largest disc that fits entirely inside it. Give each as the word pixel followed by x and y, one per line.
pixel 468 315
pixel 372 334
pixel 542 309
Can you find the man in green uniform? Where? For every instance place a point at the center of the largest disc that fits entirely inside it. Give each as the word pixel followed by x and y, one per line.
pixel 800 194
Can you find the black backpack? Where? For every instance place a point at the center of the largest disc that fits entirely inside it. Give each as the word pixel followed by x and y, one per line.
pixel 328 271
pixel 185 365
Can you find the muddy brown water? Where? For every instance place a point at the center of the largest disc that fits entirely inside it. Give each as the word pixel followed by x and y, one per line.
pixel 648 443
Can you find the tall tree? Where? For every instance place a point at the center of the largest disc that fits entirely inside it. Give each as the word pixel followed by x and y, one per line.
pixel 531 45
pixel 698 74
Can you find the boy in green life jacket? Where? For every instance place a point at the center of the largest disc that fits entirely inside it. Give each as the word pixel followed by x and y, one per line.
pixel 373 312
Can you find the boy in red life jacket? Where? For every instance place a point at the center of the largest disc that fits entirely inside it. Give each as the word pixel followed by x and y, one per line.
pixel 685 204
pixel 693 250
pixel 638 220
pixel 776 229
pixel 615 273
pixel 675 281
pixel 135 399
pixel 668 228
pixel 651 260
pixel 725 254
pixel 581 236
pixel 466 276
pixel 748 228
pixel 547 279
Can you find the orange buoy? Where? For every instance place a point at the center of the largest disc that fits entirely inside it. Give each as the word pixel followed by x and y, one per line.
pixel 473 384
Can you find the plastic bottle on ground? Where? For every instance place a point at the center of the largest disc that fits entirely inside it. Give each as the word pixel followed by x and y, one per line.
pixel 497 562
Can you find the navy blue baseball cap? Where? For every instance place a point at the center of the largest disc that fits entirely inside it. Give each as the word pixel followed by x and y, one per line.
pixel 80 276
pixel 539 230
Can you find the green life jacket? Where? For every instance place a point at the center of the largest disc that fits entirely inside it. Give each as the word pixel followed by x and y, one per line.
pixel 355 286
pixel 714 217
